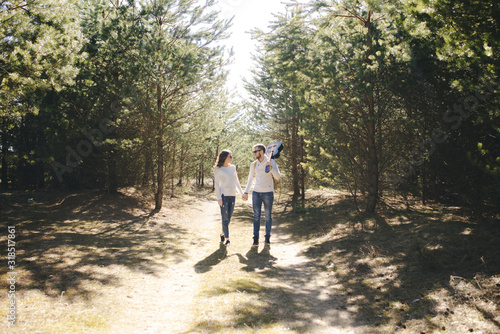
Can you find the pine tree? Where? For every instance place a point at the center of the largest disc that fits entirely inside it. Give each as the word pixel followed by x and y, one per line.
pixel 277 90
pixel 356 45
pixel 40 46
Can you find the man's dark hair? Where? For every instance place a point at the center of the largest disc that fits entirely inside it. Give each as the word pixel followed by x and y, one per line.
pixel 259 147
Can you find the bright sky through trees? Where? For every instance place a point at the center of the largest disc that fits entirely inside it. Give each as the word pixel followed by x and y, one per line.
pixel 247 15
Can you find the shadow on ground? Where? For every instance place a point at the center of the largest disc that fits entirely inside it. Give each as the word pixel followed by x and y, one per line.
pixel 66 241
pixel 255 260
pixel 212 260
pixel 386 271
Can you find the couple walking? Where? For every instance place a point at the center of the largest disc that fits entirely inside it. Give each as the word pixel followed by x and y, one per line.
pixel 227 184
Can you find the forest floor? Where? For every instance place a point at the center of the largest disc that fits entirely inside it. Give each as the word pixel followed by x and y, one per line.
pixel 95 263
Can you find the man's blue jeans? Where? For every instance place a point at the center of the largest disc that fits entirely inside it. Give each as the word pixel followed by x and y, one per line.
pixel 226 211
pixel 257 200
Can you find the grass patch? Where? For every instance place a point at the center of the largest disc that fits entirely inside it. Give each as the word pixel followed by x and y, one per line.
pixel 39 313
pixel 243 305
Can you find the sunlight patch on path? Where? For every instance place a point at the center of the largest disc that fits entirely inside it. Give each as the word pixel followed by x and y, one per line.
pixel 238 289
pixel 163 304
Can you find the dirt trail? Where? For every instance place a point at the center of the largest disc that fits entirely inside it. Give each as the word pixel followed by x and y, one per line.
pixel 211 289
pixel 104 264
pixel 161 303
pixel 97 263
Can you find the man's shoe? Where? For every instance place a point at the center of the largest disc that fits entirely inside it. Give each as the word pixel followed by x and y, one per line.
pixel 268 242
pixel 255 241
pixel 227 242
pixel 222 238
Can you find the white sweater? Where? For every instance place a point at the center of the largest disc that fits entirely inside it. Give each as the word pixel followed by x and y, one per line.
pixel 226 181
pixel 263 181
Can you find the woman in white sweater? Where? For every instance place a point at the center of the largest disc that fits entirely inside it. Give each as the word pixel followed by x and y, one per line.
pixel 226 185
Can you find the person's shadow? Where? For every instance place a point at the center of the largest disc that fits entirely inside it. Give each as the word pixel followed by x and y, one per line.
pixel 213 259
pixel 254 260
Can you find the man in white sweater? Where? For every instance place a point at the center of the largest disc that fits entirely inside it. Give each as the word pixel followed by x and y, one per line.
pixel 263 191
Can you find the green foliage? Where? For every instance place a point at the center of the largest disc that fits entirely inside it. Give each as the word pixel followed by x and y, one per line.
pixel 367 96
pixel 152 68
pixel 278 88
pixel 378 87
pixel 41 42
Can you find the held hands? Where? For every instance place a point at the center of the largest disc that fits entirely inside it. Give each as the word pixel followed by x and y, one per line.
pixel 244 197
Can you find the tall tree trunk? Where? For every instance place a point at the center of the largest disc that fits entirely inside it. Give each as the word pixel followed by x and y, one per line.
pixel 372 165
pixel 152 165
pixel 294 156
pixel 216 155
pixel 147 163
pixel 202 171
pixel 159 140
pixel 302 172
pixel 181 164
pixel 172 185
pixel 373 173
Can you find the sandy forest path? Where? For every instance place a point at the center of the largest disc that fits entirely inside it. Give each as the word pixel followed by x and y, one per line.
pixel 208 288
pixel 91 262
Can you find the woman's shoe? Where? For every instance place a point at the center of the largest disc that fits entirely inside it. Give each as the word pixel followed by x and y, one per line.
pixel 255 242
pixel 222 238
pixel 227 242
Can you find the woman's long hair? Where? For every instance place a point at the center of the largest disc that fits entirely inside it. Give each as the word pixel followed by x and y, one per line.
pixel 222 158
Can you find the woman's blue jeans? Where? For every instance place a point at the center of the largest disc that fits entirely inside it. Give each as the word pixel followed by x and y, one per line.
pixel 226 211
pixel 257 200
